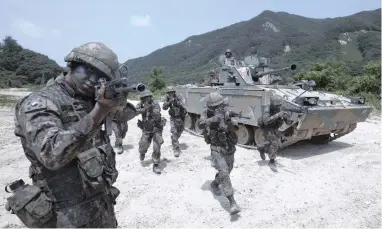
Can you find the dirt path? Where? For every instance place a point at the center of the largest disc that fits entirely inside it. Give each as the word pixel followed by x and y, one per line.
pixel 336 185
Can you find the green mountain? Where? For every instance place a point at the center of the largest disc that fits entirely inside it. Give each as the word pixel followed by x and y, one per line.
pixel 283 37
pixel 19 66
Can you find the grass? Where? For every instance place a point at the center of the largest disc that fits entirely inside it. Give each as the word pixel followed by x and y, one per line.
pixel 8 100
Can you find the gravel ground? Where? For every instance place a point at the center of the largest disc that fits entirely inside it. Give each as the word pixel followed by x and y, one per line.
pixel 336 185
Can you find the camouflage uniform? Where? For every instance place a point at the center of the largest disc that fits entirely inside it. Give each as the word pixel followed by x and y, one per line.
pixel 120 125
pixel 229 59
pixel 269 123
pixel 220 133
pixel 152 128
pixel 177 114
pixel 73 165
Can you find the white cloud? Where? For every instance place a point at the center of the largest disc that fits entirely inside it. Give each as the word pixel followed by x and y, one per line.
pixel 140 21
pixel 28 28
pixel 31 29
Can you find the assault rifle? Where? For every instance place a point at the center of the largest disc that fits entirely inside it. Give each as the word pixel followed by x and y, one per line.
pixel 116 89
pixel 223 115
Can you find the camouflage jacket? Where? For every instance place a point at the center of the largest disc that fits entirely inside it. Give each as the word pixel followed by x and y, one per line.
pixel 270 119
pixel 177 109
pixel 126 114
pixel 151 116
pixel 53 80
pixel 214 134
pixel 58 136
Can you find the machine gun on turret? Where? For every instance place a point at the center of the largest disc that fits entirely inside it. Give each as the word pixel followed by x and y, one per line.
pixel 257 75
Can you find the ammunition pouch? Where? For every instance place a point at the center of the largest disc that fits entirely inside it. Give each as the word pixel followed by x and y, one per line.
pixel 31 205
pixel 161 124
pixel 176 111
pixel 97 169
pixel 148 125
pixel 233 137
pixel 139 124
pixel 222 136
pixel 178 122
pixel 114 193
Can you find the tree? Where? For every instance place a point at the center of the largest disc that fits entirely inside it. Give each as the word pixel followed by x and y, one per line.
pixel 156 81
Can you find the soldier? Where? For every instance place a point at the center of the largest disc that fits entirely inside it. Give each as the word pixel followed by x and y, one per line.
pixel 58 127
pixel 269 123
pixel 59 77
pixel 152 128
pixel 120 125
pixel 177 114
pixel 220 133
pixel 229 59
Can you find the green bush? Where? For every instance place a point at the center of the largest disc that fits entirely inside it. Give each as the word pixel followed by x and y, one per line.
pixel 330 76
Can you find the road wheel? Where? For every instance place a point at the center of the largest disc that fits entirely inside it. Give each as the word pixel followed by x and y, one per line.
pixel 245 135
pixel 189 122
pixel 197 129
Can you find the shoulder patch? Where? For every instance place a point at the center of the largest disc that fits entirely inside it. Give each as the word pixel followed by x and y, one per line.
pixel 34 104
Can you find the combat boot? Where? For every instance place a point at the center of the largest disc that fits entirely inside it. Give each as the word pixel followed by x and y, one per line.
pixel 272 161
pixel 119 149
pixel 262 154
pixel 176 152
pixel 234 209
pixel 156 169
pixel 215 188
pixel 141 156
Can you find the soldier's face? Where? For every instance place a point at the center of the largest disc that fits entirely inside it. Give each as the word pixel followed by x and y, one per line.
pixel 85 78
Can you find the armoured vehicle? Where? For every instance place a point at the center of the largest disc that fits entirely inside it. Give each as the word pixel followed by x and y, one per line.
pixel 249 84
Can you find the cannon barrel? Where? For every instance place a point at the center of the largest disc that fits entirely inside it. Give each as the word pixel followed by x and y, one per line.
pixel 292 67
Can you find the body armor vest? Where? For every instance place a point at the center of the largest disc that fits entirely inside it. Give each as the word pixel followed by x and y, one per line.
pixel 82 177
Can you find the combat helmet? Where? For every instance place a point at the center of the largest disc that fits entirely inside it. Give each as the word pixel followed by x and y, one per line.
pixel 170 89
pixel 215 99
pixel 145 93
pixel 276 100
pixel 97 55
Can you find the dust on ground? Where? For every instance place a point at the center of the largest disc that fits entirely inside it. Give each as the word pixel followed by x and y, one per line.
pixel 334 185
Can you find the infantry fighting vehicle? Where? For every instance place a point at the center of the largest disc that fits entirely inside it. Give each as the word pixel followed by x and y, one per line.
pixel 249 84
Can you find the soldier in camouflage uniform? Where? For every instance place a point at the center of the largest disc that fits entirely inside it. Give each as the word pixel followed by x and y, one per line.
pixel 120 125
pixel 58 127
pixel 229 59
pixel 269 123
pixel 220 133
pixel 59 77
pixel 152 128
pixel 177 114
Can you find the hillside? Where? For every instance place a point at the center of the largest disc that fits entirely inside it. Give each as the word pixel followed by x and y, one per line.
pixel 19 66
pixel 284 37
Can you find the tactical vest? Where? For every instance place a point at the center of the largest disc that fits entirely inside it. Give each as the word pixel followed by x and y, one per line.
pixel 91 173
pixel 275 125
pixel 149 124
pixel 218 137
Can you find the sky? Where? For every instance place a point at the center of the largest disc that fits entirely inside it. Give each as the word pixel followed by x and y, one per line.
pixel 134 28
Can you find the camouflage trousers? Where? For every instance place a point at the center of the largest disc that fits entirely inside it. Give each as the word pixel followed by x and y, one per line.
pixel 98 213
pixel 120 129
pixel 145 142
pixel 273 145
pixel 177 128
pixel 223 161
